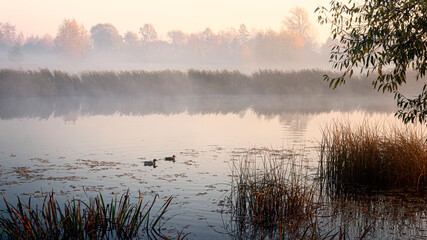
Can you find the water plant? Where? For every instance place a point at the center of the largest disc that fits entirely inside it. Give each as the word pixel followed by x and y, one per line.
pixel 78 219
pixel 271 196
pixel 355 157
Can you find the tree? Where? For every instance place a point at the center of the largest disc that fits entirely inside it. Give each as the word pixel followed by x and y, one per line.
pixel 148 33
pixel 178 37
pixel 382 37
pixel 243 35
pixel 298 22
pixel 72 39
pixel 131 40
pixel 8 36
pixel 106 37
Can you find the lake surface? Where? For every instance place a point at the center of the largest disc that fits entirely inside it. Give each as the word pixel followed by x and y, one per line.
pixel 77 151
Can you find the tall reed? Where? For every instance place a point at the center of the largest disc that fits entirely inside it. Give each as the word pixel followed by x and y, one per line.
pixel 271 196
pixel 367 156
pixel 77 219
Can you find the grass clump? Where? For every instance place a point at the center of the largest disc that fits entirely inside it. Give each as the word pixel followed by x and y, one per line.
pixel 271 196
pixel 77 219
pixel 367 156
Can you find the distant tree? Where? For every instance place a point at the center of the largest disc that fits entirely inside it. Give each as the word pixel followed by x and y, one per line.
pixel 37 44
pixel 148 33
pixel 178 37
pixel 383 37
pixel 72 39
pixel 131 40
pixel 243 34
pixel 299 22
pixel 106 37
pixel 208 37
pixel 8 37
pixel 15 54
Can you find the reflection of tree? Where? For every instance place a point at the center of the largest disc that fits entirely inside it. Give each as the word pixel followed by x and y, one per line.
pixel 266 107
pixel 295 123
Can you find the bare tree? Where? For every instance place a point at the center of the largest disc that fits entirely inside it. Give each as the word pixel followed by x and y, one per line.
pixel 8 36
pixel 299 22
pixel 178 37
pixel 148 33
pixel 72 39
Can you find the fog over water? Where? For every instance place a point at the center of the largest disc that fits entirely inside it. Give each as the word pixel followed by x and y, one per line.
pixel 83 109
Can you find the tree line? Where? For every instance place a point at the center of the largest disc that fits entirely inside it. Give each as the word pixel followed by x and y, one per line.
pixel 294 42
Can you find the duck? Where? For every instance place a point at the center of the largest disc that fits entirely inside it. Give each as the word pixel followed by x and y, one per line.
pixel 170 158
pixel 150 163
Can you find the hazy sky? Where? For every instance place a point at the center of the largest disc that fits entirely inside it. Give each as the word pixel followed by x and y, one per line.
pixel 44 16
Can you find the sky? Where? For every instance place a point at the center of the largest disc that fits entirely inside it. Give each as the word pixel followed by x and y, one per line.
pixel 44 16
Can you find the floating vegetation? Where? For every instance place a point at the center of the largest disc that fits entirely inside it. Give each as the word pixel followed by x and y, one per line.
pixel 77 219
pixel 370 157
pixel 40 160
pixel 95 163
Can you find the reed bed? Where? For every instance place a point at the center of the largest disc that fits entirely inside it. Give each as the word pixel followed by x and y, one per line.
pixel 77 219
pixel 364 156
pixel 271 197
pixel 54 83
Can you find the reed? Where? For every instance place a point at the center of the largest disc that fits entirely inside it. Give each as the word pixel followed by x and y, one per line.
pixel 367 156
pixel 77 219
pixel 53 83
pixel 271 196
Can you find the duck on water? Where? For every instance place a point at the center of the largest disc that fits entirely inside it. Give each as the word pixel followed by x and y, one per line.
pixel 170 158
pixel 150 163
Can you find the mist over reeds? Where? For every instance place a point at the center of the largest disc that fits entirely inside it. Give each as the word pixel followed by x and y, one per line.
pixel 47 83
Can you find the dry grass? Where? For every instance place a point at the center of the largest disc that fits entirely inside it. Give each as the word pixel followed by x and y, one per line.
pixel 371 157
pixel 271 196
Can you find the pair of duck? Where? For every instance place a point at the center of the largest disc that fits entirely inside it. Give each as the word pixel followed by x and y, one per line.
pixel 153 163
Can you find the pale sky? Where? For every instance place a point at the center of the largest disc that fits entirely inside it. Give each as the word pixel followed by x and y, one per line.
pixel 44 16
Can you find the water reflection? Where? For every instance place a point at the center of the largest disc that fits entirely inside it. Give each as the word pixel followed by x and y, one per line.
pixel 71 108
pixel 388 215
pixel 106 148
pixel 254 185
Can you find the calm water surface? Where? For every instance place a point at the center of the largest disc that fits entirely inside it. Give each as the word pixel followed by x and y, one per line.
pixel 79 154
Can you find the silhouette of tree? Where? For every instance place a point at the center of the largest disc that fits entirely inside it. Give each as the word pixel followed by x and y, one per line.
pixel 148 33
pixel 72 39
pixel 243 35
pixel 8 37
pixel 178 37
pixel 131 40
pixel 106 37
pixel 299 22
pixel 37 44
